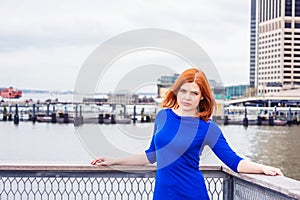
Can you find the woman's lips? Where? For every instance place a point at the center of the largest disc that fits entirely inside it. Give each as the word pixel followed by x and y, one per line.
pixel 185 104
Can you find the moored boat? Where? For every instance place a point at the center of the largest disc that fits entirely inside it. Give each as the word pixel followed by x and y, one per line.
pixel 10 93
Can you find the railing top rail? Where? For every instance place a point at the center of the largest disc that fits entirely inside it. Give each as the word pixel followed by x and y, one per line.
pixel 80 168
pixel 75 168
pixel 282 184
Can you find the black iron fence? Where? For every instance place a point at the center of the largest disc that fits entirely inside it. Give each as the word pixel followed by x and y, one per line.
pixel 130 182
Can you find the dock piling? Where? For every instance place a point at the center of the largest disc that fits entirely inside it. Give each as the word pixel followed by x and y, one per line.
pixel 226 120
pixel 4 114
pixel 245 120
pixel 134 114
pixel 16 116
pixel 78 120
pixel 289 120
pixel 80 115
pixel 53 118
pixel 48 110
pixel 100 118
pixel 10 113
pixel 271 120
pixel 112 119
pixel 142 115
pixel 275 112
pixel 259 120
pixel 33 114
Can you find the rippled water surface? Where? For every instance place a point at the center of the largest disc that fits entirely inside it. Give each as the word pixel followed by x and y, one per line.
pixel 43 143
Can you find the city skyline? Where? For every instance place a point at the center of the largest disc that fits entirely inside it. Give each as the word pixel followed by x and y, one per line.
pixel 43 45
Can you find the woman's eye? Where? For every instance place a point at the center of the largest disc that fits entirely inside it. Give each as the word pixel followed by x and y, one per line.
pixel 182 91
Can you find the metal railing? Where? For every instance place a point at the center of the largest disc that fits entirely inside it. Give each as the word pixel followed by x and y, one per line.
pixel 131 182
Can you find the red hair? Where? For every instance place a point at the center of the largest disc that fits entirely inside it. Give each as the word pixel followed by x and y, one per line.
pixel 206 106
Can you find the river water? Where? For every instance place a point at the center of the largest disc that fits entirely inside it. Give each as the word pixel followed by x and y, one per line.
pixel 46 143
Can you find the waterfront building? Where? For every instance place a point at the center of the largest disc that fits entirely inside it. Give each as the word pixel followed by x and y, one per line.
pixel 125 98
pixel 217 88
pixel 278 45
pixel 236 91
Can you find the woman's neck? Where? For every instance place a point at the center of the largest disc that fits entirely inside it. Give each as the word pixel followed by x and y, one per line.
pixel 180 112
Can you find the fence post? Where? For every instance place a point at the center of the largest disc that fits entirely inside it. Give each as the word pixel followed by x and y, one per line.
pixel 228 188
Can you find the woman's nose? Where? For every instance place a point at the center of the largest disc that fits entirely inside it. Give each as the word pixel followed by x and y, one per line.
pixel 187 96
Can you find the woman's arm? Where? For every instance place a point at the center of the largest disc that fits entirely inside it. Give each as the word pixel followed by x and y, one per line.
pixel 137 159
pixel 246 166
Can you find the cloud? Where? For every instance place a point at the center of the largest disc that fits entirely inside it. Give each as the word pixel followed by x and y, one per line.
pixel 42 39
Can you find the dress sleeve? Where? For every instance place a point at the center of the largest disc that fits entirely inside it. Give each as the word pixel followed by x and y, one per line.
pixel 217 142
pixel 150 152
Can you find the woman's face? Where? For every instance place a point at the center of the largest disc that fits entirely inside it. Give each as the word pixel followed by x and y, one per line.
pixel 188 98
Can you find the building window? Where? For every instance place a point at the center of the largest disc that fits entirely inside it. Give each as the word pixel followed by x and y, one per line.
pixel 297 25
pixel 297 8
pixel 288 8
pixel 288 25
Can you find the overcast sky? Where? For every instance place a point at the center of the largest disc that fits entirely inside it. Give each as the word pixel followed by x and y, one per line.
pixel 43 44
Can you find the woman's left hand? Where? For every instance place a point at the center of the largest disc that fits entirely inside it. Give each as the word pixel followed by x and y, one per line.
pixel 271 171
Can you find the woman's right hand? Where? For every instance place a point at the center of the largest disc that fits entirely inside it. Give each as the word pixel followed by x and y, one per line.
pixel 134 159
pixel 102 161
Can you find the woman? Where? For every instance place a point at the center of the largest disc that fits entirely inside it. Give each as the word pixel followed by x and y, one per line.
pixel 181 131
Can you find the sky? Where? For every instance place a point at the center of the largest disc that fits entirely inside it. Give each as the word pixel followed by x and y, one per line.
pixel 43 44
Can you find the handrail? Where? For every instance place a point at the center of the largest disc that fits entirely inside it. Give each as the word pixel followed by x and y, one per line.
pixel 279 184
pixel 53 167
pixel 284 185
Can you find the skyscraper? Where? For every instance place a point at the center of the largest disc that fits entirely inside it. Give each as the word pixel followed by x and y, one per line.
pixel 278 45
pixel 253 34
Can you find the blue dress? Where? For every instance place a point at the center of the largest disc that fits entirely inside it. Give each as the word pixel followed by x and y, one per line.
pixel 176 146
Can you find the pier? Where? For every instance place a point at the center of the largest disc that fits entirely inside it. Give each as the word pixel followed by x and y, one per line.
pixel 271 111
pixel 250 115
pixel 133 182
pixel 77 113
